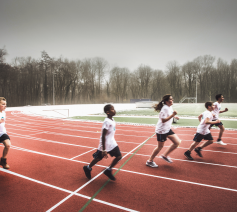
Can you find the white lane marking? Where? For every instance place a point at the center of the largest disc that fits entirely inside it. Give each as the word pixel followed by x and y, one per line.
pixel 63 200
pixel 140 173
pixel 46 140
pixel 193 161
pixel 41 153
pixel 83 153
pixel 64 190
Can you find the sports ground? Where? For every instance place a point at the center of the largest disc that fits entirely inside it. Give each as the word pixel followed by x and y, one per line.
pixel 48 154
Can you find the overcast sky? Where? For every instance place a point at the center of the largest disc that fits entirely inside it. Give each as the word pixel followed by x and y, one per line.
pixel 126 33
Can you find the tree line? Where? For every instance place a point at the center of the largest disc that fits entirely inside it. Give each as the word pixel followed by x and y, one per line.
pixel 29 81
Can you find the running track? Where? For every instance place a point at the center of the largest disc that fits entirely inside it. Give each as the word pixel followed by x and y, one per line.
pixel 47 156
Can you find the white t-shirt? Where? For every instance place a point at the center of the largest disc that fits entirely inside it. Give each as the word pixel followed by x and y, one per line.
pixel 216 110
pixel 203 128
pixel 2 125
pixel 163 128
pixel 110 142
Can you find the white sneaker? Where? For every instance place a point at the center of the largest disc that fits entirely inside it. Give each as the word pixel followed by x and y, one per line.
pixel 151 164
pixel 167 159
pixel 221 142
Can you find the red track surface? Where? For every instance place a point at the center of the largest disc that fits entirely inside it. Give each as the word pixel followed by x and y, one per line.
pixel 47 156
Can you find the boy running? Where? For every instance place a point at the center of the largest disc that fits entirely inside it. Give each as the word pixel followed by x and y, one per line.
pixel 4 138
pixel 216 111
pixel 107 145
pixel 203 131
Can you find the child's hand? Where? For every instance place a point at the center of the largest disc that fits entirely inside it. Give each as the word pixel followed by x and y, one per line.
pixel 104 154
pixel 218 121
pixel 226 109
pixel 174 113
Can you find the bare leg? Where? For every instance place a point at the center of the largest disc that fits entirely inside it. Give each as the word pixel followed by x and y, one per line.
pixel 7 144
pixel 115 161
pixel 222 129
pixel 193 145
pixel 94 161
pixel 176 142
pixel 207 143
pixel 156 150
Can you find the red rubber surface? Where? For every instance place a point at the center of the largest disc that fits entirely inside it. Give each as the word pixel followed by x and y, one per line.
pixel 54 151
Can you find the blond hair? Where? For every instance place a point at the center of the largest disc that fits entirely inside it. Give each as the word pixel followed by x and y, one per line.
pixel 2 99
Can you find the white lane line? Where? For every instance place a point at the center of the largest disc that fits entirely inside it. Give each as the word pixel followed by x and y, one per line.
pixel 183 181
pixel 46 140
pixel 83 153
pixel 45 154
pixel 69 129
pixel 64 190
pixel 193 161
pixel 144 174
pixel 63 200
pixel 50 141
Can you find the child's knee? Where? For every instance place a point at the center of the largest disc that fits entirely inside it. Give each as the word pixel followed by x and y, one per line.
pixel 119 157
pixel 179 142
pixel 7 144
pixel 211 141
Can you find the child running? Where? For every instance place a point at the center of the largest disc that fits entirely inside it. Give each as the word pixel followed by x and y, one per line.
pixel 107 145
pixel 216 111
pixel 4 138
pixel 203 131
pixel 163 130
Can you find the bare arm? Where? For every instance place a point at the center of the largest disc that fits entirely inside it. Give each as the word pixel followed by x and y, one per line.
pixel 207 121
pixel 222 111
pixel 169 117
pixel 200 117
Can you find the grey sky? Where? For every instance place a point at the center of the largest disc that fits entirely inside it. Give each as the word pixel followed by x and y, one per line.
pixel 126 33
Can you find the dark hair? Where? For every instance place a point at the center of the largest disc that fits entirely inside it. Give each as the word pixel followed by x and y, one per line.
pixel 107 107
pixel 207 104
pixel 159 106
pixel 218 96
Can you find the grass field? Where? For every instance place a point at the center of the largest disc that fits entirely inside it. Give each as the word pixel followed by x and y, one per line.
pixel 184 110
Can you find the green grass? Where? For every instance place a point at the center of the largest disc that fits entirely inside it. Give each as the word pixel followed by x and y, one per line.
pixel 181 122
pixel 184 110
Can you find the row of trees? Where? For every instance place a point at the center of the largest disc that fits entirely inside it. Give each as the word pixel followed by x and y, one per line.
pixel 27 81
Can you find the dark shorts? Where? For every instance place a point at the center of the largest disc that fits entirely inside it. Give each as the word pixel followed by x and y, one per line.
pixel 218 124
pixel 115 152
pixel 163 137
pixel 4 137
pixel 198 137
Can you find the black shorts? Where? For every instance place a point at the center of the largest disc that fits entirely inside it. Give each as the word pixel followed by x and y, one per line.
pixel 198 137
pixel 4 137
pixel 163 137
pixel 115 152
pixel 218 124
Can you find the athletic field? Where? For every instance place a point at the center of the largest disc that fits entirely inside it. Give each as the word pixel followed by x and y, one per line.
pixel 48 154
pixel 188 114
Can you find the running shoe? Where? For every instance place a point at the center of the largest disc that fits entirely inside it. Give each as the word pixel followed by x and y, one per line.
pixel 167 159
pixel 221 142
pixel 109 174
pixel 87 172
pixel 3 163
pixel 151 164
pixel 188 155
pixel 198 151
